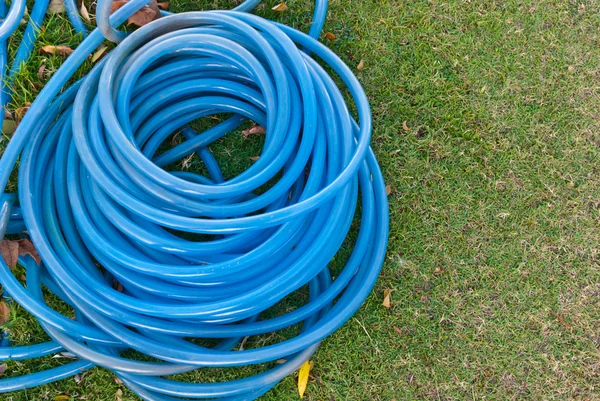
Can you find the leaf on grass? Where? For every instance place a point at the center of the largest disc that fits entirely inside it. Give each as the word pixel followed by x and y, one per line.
pixel 2 369
pixel 386 298
pixel 303 377
pixel 84 13
pixel 256 130
pixel 41 71
pixel 330 36
pixel 281 361
pixel 397 330
pixel 143 16
pixel 405 126
pixel 25 14
pixel 9 127
pixel 118 395
pixel 281 7
pixel 118 381
pixel 56 7
pixel 561 320
pixel 164 5
pixel 388 190
pixel 360 65
pixel 65 354
pixel 62 398
pixel 20 111
pixel 254 158
pixel 4 312
pixel 99 52
pixel 78 378
pixel 10 249
pixel 59 50
pixel 26 248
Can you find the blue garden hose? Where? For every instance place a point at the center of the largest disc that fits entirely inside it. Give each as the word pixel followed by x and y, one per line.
pixel 93 192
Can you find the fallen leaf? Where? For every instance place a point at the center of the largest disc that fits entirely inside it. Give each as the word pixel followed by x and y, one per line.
pixel 99 52
pixel 118 395
pixel 84 13
pixel 118 381
pixel 303 377
pixel 405 126
pixel 65 354
pixel 41 71
pixel 8 115
pixel 388 190
pixel 60 50
pixel 386 299
pixel 254 158
pixel 9 249
pixel 117 285
pixel 397 330
pixel 20 111
pixel 561 320
pixel 9 127
pixel 281 361
pixel 26 248
pixel 330 36
pixel 438 270
pixel 78 378
pixel 164 5
pixel 256 130
pixel 143 16
pixel 25 14
pixel 56 7
pixel 360 65
pixel 4 312
pixel 281 7
pixel 62 398
pixel 2 369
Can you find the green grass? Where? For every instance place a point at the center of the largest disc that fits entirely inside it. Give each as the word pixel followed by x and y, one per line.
pixel 486 127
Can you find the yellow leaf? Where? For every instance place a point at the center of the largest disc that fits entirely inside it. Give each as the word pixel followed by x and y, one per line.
pixel 84 13
pixel 386 298
pixel 281 7
pixel 99 52
pixel 303 377
pixel 62 398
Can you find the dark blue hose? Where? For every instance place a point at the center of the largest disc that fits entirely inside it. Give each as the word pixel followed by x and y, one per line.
pixel 93 192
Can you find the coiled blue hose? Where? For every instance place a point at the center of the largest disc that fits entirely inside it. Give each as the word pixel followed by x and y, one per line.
pixel 92 192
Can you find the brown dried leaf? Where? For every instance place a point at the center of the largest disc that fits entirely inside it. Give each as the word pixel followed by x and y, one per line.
pixel 254 158
pixel 26 248
pixel 256 130
pixel 561 320
pixel 10 252
pixel 405 126
pixel 281 7
pixel 20 112
pixel 118 381
pixel 41 71
pixel 164 5
pixel 388 190
pixel 60 50
pixel 4 312
pixel 386 298
pixel 143 16
pixel 330 36
pixel 2 369
pixel 56 7
pixel 360 65
pixel 84 13
pixel 117 285
pixel 118 395
pixel 99 52
pixel 397 330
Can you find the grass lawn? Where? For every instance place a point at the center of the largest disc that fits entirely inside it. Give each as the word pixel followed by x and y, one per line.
pixel 486 126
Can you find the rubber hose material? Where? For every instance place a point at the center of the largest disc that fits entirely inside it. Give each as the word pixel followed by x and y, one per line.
pixel 198 257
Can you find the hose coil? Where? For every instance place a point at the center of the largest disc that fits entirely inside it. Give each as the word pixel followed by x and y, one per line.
pixel 198 257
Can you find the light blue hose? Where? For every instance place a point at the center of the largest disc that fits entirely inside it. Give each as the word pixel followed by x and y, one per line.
pixel 93 191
